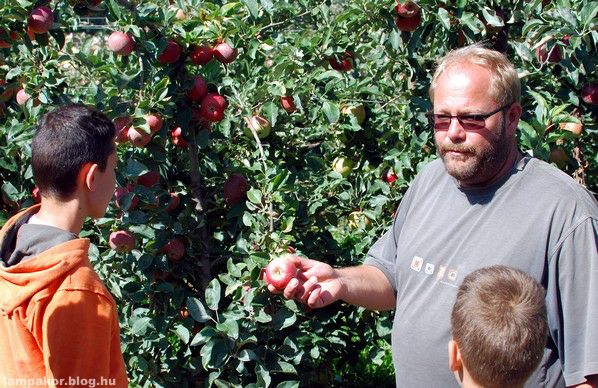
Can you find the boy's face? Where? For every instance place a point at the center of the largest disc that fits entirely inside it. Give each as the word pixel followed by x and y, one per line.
pixel 105 184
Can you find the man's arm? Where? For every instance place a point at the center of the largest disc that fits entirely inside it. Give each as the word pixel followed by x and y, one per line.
pixel 317 284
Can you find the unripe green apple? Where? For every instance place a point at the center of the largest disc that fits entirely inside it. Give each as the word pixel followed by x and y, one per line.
pixel 355 110
pixel 260 124
pixel 343 166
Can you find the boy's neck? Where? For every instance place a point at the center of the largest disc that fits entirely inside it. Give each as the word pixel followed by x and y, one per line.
pixel 67 215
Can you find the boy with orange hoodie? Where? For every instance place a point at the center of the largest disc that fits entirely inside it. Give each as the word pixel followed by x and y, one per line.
pixel 58 322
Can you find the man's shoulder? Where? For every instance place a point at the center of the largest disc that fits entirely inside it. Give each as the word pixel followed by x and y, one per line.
pixel 549 183
pixel 83 278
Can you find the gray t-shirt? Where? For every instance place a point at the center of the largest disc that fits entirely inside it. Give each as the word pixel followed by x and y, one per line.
pixel 537 219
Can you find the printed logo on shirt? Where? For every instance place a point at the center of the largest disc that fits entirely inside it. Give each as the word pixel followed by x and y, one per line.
pixel 417 263
pixel 452 275
pixel 441 271
pixel 429 268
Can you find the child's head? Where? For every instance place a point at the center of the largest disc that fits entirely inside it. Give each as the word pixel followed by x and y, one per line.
pixel 499 327
pixel 74 147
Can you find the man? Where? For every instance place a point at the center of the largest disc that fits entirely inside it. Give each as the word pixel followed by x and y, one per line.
pixel 58 322
pixel 482 203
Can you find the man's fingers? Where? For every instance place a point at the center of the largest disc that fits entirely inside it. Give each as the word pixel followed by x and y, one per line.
pixel 291 288
pixel 273 289
pixel 308 287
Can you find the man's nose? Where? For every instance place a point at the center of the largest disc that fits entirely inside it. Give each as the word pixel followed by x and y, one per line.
pixel 455 131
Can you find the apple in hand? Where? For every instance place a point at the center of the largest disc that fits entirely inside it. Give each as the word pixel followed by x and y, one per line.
pixel 279 272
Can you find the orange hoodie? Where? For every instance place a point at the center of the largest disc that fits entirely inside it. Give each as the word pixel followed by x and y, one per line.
pixel 58 322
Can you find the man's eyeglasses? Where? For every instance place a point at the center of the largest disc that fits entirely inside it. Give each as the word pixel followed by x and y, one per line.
pixel 442 122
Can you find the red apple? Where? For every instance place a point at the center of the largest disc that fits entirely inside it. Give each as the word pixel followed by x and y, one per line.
pixel 149 179
pixel 558 156
pixel 199 89
pixel 212 107
pixel 12 36
pixel 389 176
pixel 138 137
pixel 119 195
pixel 22 97
pixel 174 250
pixel 279 272
pixel 174 202
pixel 408 24
pixel 235 189
pixel 121 241
pixel 40 20
pixel 176 135
pixel 171 53
pixel 180 15
pixel 589 93
pixel 408 16
pixel 288 104
pixel 575 128
pixel 201 55
pixel 552 55
pixel 154 121
pixel 342 64
pixel 121 43
pixel 224 53
pixel 122 124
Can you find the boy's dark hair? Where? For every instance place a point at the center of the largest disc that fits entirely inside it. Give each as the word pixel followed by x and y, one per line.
pixel 66 139
pixel 500 326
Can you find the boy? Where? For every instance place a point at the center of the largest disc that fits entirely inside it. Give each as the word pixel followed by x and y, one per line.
pixel 58 322
pixel 498 327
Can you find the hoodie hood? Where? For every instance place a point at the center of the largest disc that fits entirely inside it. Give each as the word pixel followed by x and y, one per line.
pixel 20 282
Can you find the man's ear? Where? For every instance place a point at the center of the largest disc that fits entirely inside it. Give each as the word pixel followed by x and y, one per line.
pixel 88 176
pixel 513 115
pixel 455 363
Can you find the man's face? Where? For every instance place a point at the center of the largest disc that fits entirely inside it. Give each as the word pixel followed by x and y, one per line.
pixel 473 157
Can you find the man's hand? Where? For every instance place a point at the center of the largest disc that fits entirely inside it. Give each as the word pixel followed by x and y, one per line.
pixel 317 284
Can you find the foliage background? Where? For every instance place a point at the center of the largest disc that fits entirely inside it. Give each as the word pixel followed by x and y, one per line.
pixel 208 319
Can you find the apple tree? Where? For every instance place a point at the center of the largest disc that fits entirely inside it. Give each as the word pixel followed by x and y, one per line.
pixel 254 128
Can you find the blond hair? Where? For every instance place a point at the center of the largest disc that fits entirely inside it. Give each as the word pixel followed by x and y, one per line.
pixel 499 324
pixel 505 87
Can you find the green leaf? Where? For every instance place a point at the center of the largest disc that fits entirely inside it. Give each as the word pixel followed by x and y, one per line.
pixel 288 384
pixel 204 336
pixel 230 327
pixel 588 13
pixel 253 7
pixel 183 333
pixel 247 355
pixel 255 196
pixel 331 111
pixel 214 353
pixel 11 192
pixel 568 16
pixel 197 310
pixel 263 376
pixel 283 318
pixel 444 18
pixel 213 294
pixel 492 18
pixel 140 326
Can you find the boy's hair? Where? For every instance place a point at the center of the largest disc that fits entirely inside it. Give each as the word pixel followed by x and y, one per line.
pixel 66 139
pixel 505 86
pixel 499 324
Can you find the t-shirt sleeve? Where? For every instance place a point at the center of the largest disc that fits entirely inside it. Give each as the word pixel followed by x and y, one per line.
pixel 572 301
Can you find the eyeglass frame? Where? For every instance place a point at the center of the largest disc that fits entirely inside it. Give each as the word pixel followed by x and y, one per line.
pixel 477 117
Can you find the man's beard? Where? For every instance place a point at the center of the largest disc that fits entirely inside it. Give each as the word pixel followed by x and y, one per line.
pixel 478 165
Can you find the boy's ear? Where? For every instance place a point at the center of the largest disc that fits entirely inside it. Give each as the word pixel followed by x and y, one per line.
pixel 88 176
pixel 455 363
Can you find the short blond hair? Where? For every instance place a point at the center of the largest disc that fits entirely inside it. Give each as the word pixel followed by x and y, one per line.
pixel 505 86
pixel 500 326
